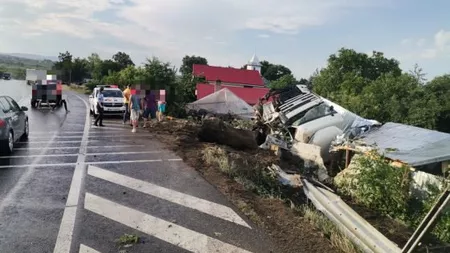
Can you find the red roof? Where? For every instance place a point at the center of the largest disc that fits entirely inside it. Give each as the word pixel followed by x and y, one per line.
pixel 249 95
pixel 228 75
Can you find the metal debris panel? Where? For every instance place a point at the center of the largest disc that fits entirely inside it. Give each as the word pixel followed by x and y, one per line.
pixel 413 145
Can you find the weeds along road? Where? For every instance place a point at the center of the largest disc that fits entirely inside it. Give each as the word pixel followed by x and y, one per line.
pixel 73 187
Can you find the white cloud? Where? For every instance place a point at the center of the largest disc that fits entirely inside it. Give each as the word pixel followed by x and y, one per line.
pixel 264 36
pixel 166 28
pixel 421 42
pixel 406 42
pixel 440 46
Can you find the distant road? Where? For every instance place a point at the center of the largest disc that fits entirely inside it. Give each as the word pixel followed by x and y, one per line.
pixel 17 89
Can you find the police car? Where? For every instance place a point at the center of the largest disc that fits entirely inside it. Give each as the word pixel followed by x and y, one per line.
pixel 112 102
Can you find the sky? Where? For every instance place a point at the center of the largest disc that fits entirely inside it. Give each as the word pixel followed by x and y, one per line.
pixel 299 34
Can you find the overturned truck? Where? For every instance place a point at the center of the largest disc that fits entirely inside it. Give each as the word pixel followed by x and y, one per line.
pixel 305 121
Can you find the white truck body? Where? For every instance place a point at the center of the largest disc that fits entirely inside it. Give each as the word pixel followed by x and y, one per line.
pixel 36 74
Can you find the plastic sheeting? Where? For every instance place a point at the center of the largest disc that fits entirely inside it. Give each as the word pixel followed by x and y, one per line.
pixel 223 102
pixel 412 145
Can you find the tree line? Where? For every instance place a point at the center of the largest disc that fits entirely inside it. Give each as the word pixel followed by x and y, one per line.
pixel 372 86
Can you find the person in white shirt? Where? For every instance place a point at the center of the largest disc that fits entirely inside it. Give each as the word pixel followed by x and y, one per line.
pixel 99 118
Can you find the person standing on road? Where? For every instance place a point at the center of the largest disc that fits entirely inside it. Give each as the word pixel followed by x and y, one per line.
pixel 126 102
pixel 150 107
pixel 99 118
pixel 161 110
pixel 135 108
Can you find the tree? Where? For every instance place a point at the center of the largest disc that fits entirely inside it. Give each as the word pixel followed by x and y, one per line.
pixel 347 65
pixel 275 72
pixel 189 61
pixel 123 60
pixel 79 69
pixel 440 88
pixel 418 73
pixel 95 66
pixel 109 66
pixel 284 81
pixel 64 66
pixel 158 74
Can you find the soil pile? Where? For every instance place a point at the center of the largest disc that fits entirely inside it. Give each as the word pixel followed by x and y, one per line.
pixel 236 172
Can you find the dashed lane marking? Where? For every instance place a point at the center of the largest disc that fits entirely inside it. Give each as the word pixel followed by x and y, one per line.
pixel 78 163
pixel 91 136
pixel 89 147
pixel 38 142
pixel 204 206
pixel 87 154
pixel 161 229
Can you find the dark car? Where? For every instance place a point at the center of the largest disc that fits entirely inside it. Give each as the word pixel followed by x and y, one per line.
pixel 13 124
pixel 7 76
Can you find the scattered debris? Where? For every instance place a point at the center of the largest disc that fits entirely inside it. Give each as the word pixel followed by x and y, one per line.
pixel 219 132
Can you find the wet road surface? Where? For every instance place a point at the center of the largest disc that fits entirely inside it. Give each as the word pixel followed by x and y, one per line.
pixel 73 187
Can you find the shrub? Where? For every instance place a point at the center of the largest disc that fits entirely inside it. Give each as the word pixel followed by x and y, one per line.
pixel 386 189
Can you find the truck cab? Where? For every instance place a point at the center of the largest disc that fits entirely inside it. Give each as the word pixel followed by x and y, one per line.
pixel 112 103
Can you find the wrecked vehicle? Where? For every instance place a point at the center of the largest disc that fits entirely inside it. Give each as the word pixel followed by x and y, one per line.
pixel 297 115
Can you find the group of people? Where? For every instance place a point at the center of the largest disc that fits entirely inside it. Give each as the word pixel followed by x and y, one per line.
pixel 149 107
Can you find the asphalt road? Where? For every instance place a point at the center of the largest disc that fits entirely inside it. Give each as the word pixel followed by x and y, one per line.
pixel 73 187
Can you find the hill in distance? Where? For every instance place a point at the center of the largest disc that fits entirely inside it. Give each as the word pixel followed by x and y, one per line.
pixel 31 56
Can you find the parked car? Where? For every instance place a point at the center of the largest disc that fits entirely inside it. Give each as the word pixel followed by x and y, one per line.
pixel 13 124
pixel 113 100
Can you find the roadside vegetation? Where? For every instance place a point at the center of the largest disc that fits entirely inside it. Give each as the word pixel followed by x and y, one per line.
pixel 17 65
pixel 373 86
pixel 379 186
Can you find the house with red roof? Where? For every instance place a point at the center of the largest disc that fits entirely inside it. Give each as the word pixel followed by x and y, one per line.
pixel 247 84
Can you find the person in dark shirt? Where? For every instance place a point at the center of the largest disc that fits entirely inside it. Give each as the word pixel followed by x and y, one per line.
pixel 150 107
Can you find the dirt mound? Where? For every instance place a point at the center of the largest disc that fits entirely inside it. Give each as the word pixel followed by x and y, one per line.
pixel 237 174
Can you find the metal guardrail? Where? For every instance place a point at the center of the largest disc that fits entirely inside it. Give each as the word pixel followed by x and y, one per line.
pixel 356 228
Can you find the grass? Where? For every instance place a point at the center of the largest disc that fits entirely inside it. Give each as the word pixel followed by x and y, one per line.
pixel 76 88
pixel 127 239
pixel 231 165
pixel 339 240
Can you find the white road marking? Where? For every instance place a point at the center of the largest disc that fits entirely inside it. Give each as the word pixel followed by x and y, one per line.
pixel 90 136
pixel 65 234
pixel 37 165
pixel 125 161
pixel 107 146
pixel 86 249
pixel 116 146
pixel 161 229
pixel 121 136
pixel 31 142
pixel 204 206
pixel 110 128
pixel 40 155
pixel 124 153
pixel 57 137
pixel 175 160
pixel 77 163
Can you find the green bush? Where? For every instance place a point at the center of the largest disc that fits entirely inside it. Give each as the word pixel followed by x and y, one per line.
pixel 386 189
pixel 92 84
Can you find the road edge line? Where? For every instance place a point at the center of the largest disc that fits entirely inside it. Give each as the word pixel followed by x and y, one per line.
pixel 65 234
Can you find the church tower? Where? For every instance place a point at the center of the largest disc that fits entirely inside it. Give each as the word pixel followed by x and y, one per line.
pixel 254 64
